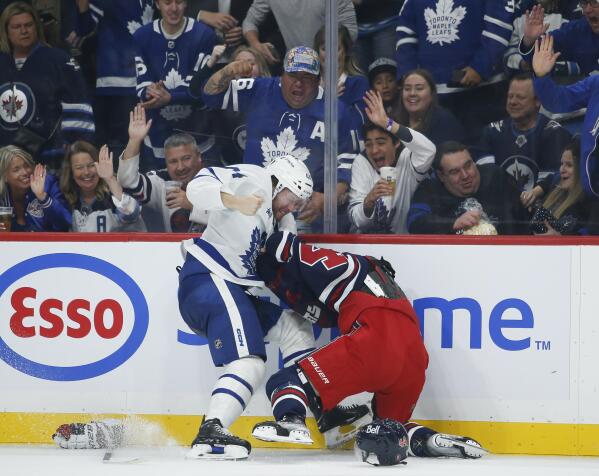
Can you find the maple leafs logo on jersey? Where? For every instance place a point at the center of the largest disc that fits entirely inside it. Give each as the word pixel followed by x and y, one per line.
pixel 248 260
pixel 382 216
pixel 146 17
pixel 443 24
pixel 174 79
pixel 286 145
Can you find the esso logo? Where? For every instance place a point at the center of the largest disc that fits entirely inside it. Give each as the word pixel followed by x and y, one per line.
pixel 69 316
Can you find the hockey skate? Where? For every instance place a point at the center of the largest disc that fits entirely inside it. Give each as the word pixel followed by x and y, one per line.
pixel 289 429
pixel 341 424
pixel 215 442
pixel 442 444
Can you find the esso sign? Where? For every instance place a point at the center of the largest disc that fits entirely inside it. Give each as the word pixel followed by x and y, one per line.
pixel 68 316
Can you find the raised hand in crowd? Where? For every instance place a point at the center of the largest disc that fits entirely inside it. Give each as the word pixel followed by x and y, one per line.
pixel 544 58
pixel 217 20
pixel 138 130
pixel 267 50
pixel 37 182
pixel 375 109
pixel 216 54
pixel 534 25
pixel 105 171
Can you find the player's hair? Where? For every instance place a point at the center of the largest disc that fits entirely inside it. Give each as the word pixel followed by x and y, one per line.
pixel 263 69
pixel 67 183
pixel 350 64
pixel 559 199
pixel 445 148
pixel 181 138
pixel 403 117
pixel 7 153
pixel 17 8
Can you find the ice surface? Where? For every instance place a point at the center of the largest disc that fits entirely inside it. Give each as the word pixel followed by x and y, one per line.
pixel 23 460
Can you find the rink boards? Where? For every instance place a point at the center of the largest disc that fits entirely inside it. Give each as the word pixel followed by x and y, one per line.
pixel 89 329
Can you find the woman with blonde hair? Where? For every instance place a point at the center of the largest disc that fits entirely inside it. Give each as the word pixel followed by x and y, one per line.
pixel 97 200
pixel 32 192
pixel 564 210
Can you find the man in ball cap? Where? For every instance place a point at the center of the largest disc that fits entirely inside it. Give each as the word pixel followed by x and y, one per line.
pixel 285 116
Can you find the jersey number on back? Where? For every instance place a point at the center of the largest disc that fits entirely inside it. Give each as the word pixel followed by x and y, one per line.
pixel 311 255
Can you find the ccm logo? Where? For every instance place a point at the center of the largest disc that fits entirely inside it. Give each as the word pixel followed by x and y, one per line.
pixel 44 331
pixel 75 312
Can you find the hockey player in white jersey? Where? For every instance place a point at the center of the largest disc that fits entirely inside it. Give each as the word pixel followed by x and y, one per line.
pixel 245 204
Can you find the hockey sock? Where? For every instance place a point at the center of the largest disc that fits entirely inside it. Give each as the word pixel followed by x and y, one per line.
pixel 418 436
pixel 291 393
pixel 234 388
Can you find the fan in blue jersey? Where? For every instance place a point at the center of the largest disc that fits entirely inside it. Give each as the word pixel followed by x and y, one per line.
pixel 527 145
pixel 114 22
pixel 246 202
pixel 170 51
pixel 577 40
pixel 285 116
pixel 43 102
pixel 556 98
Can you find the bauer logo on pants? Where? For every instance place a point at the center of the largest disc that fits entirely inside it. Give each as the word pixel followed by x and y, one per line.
pixel 79 315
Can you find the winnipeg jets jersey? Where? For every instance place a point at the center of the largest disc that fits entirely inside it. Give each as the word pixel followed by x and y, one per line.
pixel 275 129
pixel 526 155
pixel 108 215
pixel 173 59
pixel 115 21
pixel 150 190
pixel 445 35
pixel 231 242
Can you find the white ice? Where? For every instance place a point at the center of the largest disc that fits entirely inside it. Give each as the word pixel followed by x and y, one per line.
pixel 23 460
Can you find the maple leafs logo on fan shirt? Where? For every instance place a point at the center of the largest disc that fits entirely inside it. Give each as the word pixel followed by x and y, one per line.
pixel 286 145
pixel 146 17
pixel 443 24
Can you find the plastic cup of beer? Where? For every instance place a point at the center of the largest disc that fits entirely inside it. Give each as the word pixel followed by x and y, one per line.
pixel 172 186
pixel 390 175
pixel 5 218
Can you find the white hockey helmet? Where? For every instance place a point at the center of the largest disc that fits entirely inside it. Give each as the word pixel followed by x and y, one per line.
pixel 293 174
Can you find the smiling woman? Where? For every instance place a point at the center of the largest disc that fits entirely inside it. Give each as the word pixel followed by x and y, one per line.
pixel 33 193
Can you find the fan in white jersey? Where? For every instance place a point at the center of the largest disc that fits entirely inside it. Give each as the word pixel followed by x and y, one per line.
pixel 183 161
pixel 97 200
pixel 245 204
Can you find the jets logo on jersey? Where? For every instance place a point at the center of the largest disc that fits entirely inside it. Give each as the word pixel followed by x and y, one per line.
pixel 285 145
pixel 523 169
pixel 443 24
pixel 17 105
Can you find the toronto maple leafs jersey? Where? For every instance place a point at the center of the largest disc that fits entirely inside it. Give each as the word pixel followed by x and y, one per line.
pixel 108 215
pixel 115 21
pixel 48 96
pixel 446 35
pixel 526 155
pixel 584 93
pixel 230 244
pixel 390 213
pixel 328 275
pixel 275 129
pixel 150 189
pixel 172 59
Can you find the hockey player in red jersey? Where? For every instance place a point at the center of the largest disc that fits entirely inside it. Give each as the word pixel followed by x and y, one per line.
pixel 380 349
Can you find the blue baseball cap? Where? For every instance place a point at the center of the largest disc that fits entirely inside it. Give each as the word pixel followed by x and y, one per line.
pixel 302 58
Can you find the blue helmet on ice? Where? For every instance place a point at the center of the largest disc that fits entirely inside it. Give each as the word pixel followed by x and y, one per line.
pixel 382 443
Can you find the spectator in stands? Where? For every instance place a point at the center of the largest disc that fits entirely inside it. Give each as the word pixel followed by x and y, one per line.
pixel 155 189
pixel 527 144
pixel 564 210
pixel 419 109
pixel 231 125
pixel 466 198
pixel 376 29
pixel 298 22
pixel 461 43
pixel 44 101
pixel 576 41
pixel 352 84
pixel 382 75
pixel 114 23
pixel 94 194
pixel 376 205
pixel 556 98
pixel 32 192
pixel 555 18
pixel 171 49
pixel 286 116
